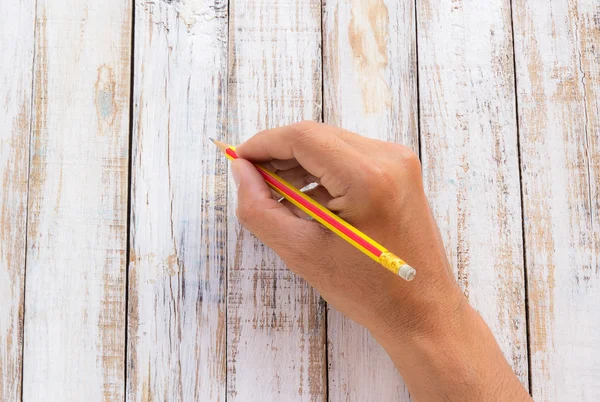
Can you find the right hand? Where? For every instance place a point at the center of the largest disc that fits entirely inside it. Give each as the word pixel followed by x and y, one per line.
pixel 440 345
pixel 375 186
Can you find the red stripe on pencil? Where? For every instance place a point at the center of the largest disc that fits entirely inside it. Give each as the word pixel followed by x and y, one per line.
pixel 317 211
pixel 360 240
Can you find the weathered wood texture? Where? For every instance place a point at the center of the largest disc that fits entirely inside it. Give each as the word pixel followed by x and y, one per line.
pixel 276 331
pixel 470 157
pixel 176 343
pixel 370 87
pixel 17 21
pixel 214 314
pixel 76 236
pixel 557 48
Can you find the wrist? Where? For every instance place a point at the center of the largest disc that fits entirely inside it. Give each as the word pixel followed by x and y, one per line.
pixel 430 318
pixel 449 353
pixel 428 307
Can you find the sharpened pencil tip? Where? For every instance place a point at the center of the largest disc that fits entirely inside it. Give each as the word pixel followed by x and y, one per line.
pixel 221 145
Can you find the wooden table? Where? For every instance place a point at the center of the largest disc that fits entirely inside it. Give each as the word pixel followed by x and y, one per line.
pixel 123 271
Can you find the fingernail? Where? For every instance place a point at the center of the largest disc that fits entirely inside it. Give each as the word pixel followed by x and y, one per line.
pixel 236 174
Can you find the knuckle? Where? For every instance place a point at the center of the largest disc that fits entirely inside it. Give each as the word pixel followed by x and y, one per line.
pixel 411 160
pixel 401 151
pixel 309 130
pixel 301 136
pixel 303 132
pixel 329 144
pixel 310 135
pixel 404 162
pixel 406 157
pixel 305 127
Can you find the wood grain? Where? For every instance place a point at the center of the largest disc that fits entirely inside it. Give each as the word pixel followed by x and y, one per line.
pixel 257 332
pixel 17 22
pixel 276 331
pixel 176 343
pixel 370 84
pixel 470 157
pixel 558 75
pixel 76 235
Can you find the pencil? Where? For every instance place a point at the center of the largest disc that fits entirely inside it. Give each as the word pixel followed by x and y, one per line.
pixel 330 220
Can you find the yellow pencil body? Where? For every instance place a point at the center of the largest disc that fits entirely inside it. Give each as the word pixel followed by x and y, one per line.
pixel 331 221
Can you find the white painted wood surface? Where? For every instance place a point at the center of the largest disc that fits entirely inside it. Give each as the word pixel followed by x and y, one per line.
pixel 76 237
pixel 276 324
pixel 470 157
pixel 212 313
pixel 17 22
pixel 557 46
pixel 176 343
pixel 370 87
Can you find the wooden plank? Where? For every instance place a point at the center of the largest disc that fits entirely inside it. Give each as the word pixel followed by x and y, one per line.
pixel 75 292
pixel 276 331
pixel 370 83
pixel 17 21
pixel 558 76
pixel 470 157
pixel 176 343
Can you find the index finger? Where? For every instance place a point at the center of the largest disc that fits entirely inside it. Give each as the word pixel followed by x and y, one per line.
pixel 316 148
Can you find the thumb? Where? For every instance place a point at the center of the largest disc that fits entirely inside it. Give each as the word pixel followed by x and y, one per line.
pixel 271 221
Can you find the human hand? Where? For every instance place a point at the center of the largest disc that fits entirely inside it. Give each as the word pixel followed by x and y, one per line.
pixel 377 187
pixel 440 345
